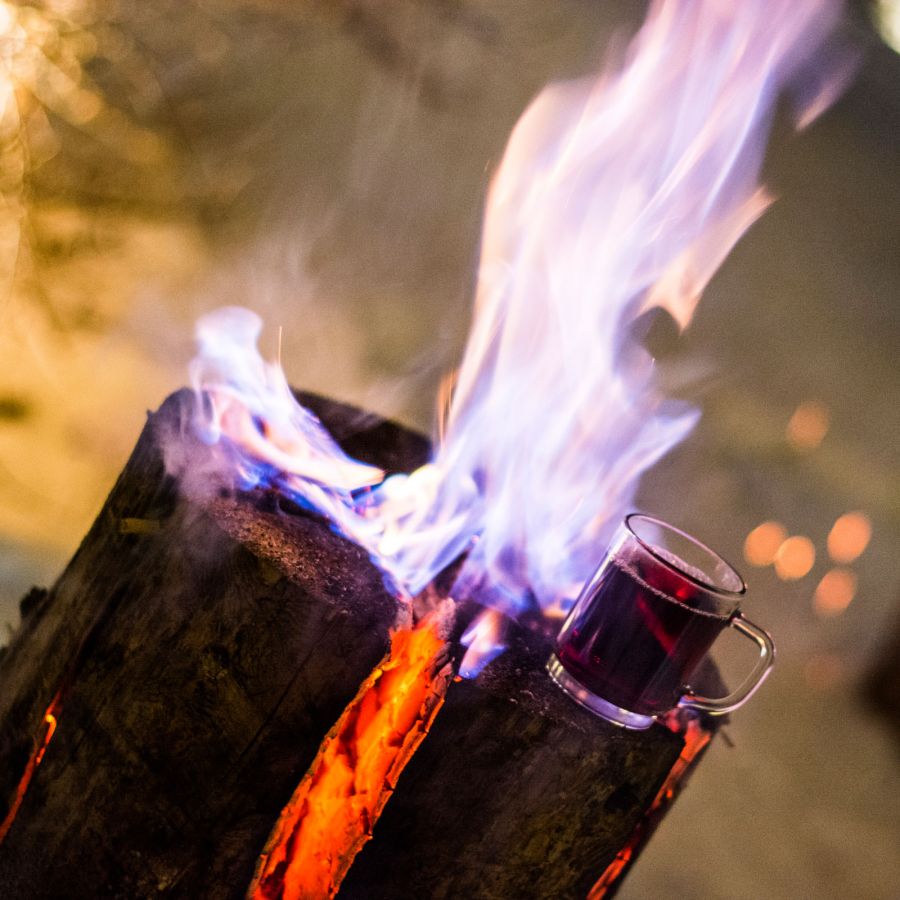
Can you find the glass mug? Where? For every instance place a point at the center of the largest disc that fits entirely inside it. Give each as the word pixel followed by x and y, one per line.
pixel 644 621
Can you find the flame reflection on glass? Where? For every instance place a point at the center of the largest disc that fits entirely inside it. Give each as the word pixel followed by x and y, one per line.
pixel 616 194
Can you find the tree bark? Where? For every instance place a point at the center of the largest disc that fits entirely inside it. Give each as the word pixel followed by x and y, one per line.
pixel 201 652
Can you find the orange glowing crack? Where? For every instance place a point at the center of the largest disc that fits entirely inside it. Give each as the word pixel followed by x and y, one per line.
pixel 37 754
pixel 696 738
pixel 332 812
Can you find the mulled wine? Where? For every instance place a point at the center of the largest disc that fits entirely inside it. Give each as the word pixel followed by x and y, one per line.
pixel 645 620
pixel 642 636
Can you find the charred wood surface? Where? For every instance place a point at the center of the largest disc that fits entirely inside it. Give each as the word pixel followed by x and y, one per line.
pixel 196 653
pixel 201 652
pixel 517 792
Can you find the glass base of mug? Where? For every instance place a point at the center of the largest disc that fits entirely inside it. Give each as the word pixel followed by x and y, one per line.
pixel 622 717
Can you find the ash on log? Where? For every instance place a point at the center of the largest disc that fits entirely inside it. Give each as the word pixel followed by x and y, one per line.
pixel 194 656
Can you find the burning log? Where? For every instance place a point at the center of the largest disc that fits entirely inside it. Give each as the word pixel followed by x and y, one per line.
pixel 200 654
pixel 330 816
pixel 520 792
pixel 207 663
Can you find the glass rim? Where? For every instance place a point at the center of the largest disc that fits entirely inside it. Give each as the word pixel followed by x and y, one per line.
pixel 659 557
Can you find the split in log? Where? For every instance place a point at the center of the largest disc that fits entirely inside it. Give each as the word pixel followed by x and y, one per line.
pixel 330 816
pixel 518 792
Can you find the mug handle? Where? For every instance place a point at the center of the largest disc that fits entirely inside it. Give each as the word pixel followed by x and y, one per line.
pixel 721 705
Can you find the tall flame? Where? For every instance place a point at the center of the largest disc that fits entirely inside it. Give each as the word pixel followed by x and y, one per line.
pixel 615 195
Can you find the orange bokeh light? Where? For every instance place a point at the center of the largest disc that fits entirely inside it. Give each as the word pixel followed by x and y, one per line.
pixel 849 537
pixel 763 542
pixel 808 425
pixel 834 592
pixel 795 557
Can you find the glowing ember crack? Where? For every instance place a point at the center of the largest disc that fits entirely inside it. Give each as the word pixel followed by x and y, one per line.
pixel 334 808
pixel 696 740
pixel 37 754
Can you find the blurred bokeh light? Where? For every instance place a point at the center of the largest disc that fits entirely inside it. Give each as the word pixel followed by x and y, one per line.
pixel 763 542
pixel 849 537
pixel 808 425
pixel 794 558
pixel 887 18
pixel 834 592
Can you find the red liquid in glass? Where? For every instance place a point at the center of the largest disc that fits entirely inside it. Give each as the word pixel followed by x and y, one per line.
pixel 639 638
